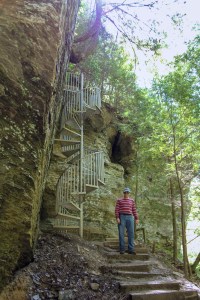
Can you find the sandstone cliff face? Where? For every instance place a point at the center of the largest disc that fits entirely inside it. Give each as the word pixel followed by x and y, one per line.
pixel 36 38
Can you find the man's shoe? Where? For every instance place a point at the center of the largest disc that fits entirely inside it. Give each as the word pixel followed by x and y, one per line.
pixel 122 252
pixel 132 252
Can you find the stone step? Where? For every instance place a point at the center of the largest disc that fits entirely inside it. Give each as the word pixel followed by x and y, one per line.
pixel 138 249
pixel 116 244
pixel 135 275
pixel 164 295
pixel 116 250
pixel 126 256
pixel 116 239
pixel 109 239
pixel 136 266
pixel 149 285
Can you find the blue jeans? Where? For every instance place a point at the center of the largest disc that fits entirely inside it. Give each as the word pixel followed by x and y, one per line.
pixel 126 221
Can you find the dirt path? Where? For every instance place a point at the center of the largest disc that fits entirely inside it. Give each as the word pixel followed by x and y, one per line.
pixel 67 267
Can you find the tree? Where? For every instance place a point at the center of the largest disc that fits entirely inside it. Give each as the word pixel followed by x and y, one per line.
pixel 165 122
pixel 178 93
pixel 112 70
pixel 123 16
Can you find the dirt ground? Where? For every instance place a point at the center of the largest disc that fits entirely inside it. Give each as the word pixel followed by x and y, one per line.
pixel 65 267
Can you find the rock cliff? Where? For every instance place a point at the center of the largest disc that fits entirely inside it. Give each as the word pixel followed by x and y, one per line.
pixel 36 39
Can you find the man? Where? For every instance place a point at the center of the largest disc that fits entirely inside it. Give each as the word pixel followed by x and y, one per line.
pixel 125 212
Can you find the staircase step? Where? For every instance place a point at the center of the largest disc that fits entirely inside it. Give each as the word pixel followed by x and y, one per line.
pixel 126 256
pixel 70 132
pixel 90 188
pixel 71 206
pixel 89 111
pixel 135 275
pixel 78 193
pixel 100 182
pixel 98 109
pixel 58 154
pixel 116 239
pixel 149 285
pixel 138 250
pixel 136 266
pixel 65 227
pixel 79 112
pixel 67 142
pixel 74 157
pixel 66 216
pixel 89 105
pixel 115 249
pixel 73 123
pixel 116 243
pixel 164 295
pixel 69 152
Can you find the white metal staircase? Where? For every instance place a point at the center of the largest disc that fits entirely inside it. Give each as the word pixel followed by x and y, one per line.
pixel 84 168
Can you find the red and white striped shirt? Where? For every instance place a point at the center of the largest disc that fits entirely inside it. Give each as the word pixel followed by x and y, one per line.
pixel 126 206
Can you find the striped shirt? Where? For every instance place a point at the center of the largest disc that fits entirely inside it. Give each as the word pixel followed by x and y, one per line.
pixel 126 206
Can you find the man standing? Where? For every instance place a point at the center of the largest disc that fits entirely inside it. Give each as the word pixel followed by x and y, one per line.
pixel 125 212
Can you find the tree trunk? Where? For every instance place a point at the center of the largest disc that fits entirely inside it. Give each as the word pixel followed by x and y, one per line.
pixel 136 184
pixel 184 241
pixel 173 223
pixel 137 174
pixel 195 264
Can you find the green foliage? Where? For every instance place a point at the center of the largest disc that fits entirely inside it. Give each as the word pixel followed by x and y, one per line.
pixel 198 271
pixel 86 15
pixel 178 92
pixel 112 69
pixel 164 120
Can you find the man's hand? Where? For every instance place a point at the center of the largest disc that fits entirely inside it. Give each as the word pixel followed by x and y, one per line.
pixel 118 220
pixel 137 221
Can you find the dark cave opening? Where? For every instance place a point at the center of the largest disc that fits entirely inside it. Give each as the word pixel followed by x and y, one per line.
pixel 122 151
pixel 116 154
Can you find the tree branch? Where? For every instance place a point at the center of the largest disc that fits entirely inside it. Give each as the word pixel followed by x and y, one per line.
pixel 94 29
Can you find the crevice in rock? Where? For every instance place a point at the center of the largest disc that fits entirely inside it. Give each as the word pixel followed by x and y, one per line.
pixel 121 150
pixel 121 147
pixel 116 154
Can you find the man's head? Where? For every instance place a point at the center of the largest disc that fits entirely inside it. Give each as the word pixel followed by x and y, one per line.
pixel 126 192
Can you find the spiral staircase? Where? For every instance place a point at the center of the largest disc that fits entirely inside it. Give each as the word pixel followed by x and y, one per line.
pixel 84 170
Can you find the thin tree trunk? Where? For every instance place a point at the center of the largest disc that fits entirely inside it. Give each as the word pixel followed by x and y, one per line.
pixel 136 185
pixel 196 262
pixel 183 223
pixel 137 180
pixel 175 248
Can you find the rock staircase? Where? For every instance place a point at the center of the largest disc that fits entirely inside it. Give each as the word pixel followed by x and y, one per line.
pixel 143 277
pixel 84 168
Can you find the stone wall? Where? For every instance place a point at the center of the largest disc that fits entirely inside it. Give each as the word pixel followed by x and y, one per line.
pixel 36 39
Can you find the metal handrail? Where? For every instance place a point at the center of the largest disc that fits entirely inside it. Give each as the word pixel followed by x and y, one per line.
pixel 72 97
pixel 88 169
pixel 68 185
pixel 94 167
